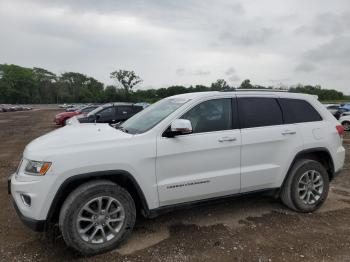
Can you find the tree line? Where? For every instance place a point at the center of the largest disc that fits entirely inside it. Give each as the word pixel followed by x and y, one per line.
pixel 37 85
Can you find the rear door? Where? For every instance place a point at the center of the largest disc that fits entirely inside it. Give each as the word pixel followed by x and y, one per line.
pixel 311 126
pixel 124 112
pixel 268 145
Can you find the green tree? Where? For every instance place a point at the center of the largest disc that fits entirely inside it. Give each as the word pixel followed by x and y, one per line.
pixel 80 88
pixel 17 84
pixel 128 79
pixel 46 83
pixel 246 84
pixel 220 84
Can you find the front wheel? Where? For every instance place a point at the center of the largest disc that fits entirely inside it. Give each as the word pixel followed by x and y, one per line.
pixel 306 187
pixel 96 217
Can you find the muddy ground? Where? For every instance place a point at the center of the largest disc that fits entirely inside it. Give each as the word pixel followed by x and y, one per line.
pixel 252 228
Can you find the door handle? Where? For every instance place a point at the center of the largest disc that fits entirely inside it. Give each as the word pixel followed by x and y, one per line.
pixel 227 139
pixel 288 132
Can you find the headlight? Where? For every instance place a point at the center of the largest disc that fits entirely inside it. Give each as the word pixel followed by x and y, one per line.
pixel 36 168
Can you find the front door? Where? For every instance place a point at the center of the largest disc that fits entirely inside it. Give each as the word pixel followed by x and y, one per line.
pixel 106 115
pixel 204 164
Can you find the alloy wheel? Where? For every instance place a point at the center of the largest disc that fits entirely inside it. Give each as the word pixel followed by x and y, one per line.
pixel 310 187
pixel 100 220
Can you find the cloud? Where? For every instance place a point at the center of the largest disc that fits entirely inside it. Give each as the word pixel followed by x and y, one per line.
pixel 305 67
pixel 327 24
pixel 234 79
pixel 185 42
pixel 232 76
pixel 230 71
pixel 255 36
pixel 187 72
pixel 335 51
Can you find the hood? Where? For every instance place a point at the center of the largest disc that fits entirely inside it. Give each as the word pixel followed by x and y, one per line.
pixel 75 136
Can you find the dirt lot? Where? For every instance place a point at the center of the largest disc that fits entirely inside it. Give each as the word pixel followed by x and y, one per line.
pixel 254 228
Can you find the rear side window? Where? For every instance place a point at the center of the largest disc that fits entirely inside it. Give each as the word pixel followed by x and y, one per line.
pixel 137 109
pixel 298 111
pixel 124 110
pixel 259 111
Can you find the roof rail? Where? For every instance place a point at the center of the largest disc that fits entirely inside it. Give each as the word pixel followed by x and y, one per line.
pixel 253 89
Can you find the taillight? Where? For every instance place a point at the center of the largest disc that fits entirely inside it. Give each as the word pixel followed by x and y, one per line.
pixel 340 130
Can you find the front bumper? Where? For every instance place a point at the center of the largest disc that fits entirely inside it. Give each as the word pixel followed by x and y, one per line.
pixel 32 197
pixel 58 121
pixel 36 225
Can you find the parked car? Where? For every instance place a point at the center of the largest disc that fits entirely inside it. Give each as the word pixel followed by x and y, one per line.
pixel 345 121
pixel 143 104
pixel 183 150
pixel 61 118
pixel 64 106
pixel 111 113
pixel 333 108
pixel 340 112
pixel 6 108
pixel 346 106
pixel 73 108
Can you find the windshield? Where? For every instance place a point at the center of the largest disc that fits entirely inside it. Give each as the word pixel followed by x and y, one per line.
pixel 95 111
pixel 152 115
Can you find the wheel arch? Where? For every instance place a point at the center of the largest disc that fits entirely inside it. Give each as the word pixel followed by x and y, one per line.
pixel 320 154
pixel 120 177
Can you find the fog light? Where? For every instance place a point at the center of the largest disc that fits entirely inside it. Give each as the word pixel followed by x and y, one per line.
pixel 26 200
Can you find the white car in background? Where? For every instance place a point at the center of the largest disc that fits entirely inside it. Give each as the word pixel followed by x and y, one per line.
pixel 333 108
pixel 345 120
pixel 73 121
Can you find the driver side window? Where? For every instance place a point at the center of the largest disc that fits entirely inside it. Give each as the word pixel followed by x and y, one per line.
pixel 210 116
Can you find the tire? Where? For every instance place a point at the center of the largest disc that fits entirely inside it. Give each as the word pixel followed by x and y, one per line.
pixel 104 198
pixel 305 176
pixel 346 125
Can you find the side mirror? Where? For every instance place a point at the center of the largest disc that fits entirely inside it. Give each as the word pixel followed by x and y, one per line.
pixel 179 127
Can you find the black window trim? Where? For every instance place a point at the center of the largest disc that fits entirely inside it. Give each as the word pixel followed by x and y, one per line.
pixel 234 125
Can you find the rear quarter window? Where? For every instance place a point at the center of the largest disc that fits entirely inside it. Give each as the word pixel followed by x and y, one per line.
pixel 298 111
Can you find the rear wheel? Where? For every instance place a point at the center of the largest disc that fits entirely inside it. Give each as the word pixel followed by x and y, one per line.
pixel 306 187
pixel 96 217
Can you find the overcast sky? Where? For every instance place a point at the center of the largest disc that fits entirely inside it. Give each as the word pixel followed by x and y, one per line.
pixel 271 42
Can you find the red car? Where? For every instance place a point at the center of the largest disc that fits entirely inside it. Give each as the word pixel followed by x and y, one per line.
pixel 60 119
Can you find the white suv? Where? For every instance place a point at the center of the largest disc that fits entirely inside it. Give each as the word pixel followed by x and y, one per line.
pixel 92 179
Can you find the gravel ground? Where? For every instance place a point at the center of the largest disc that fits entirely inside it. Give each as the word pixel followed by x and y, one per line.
pixel 251 228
